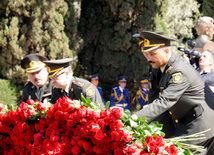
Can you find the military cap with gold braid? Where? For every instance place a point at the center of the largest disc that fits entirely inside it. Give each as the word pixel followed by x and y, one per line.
pixel 122 79
pixel 54 66
pixel 144 80
pixel 152 40
pixel 94 77
pixel 33 62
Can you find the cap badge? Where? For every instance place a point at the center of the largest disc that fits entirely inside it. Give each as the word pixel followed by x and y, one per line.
pixel 32 64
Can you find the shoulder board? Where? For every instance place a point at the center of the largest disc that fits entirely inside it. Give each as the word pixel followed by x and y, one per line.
pixel 115 87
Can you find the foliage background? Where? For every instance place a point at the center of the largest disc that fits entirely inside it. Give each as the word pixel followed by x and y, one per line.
pixel 97 33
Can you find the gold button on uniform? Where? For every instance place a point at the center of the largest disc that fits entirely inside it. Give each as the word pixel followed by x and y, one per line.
pixel 176 121
pixel 170 112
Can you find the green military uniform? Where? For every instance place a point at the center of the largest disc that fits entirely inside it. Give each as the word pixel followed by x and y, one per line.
pixel 178 89
pixel 77 86
pixel 31 92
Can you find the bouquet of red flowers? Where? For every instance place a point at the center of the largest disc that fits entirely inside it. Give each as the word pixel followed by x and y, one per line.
pixel 79 127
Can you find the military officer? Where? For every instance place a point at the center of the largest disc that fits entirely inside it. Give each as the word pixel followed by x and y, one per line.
pixel 142 94
pixel 66 84
pixel 182 89
pixel 94 79
pixel 120 95
pixel 39 87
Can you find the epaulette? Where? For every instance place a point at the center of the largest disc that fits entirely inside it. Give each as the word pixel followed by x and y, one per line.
pixel 115 88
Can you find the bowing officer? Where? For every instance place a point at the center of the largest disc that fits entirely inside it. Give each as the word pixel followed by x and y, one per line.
pixel 66 84
pixel 120 95
pixel 94 79
pixel 177 88
pixel 142 94
pixel 39 87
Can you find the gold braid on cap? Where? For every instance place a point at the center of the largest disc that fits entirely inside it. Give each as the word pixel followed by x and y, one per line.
pixel 140 43
pixel 55 71
pixel 144 81
pixel 33 64
pixel 96 78
pixel 123 79
pixel 147 43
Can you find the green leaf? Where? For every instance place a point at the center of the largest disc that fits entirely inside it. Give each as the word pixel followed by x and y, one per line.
pixel 187 153
pixel 126 116
pixel 83 99
pixel 107 105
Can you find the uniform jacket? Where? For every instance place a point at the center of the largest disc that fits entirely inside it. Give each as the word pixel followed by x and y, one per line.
pixel 79 86
pixel 142 97
pixel 101 93
pixel 182 94
pixel 30 92
pixel 120 99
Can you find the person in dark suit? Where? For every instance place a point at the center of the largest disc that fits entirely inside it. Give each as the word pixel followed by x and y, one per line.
pixel 66 84
pixel 206 63
pixel 142 94
pixel 175 87
pixel 94 79
pixel 39 87
pixel 120 95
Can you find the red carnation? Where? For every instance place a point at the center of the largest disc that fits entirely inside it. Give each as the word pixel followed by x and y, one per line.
pixel 70 123
pixel 172 150
pixel 76 149
pixel 37 136
pixel 97 149
pixel 54 138
pixel 160 141
pixel 87 145
pixel 41 106
pixel 100 134
pixel 30 102
pixel 117 112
